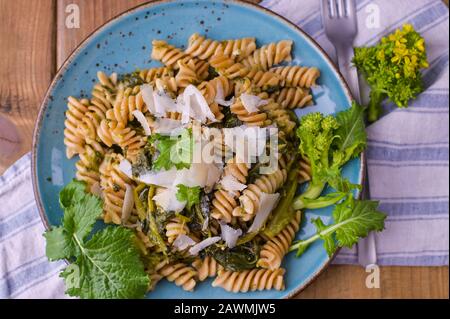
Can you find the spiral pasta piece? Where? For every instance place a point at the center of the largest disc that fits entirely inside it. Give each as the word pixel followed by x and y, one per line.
pixel 224 202
pixel 204 48
pixel 250 280
pixel 226 66
pixel 174 228
pixel 280 116
pixel 167 84
pixel 298 76
pixel 73 140
pixel 88 167
pixel 269 55
pixel 107 81
pixel 186 74
pixel 273 251
pixel 181 274
pixel 264 80
pixel 150 75
pixel 251 119
pixel 89 125
pixel 304 174
pixel 128 101
pixel 293 97
pixel 218 86
pixel 249 200
pixel 113 182
pixel 104 132
pixel 129 140
pixel 207 267
pixel 168 54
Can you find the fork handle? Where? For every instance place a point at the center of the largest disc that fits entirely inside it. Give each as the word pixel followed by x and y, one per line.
pixel 344 54
pixel 367 254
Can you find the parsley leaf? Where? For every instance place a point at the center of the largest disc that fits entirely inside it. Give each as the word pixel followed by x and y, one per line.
pixel 172 151
pixel 189 194
pixel 107 265
pixel 353 219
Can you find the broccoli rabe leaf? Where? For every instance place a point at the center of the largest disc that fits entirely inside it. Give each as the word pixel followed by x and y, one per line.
pixel 173 151
pixel 107 265
pixel 191 195
pixel 353 219
pixel 351 137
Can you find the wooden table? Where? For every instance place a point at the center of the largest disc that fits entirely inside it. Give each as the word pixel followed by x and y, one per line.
pixel 34 42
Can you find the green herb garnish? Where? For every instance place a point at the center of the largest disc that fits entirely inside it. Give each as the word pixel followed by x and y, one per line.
pixel 106 265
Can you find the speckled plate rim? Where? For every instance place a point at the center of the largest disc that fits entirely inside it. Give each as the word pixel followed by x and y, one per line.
pixel 68 61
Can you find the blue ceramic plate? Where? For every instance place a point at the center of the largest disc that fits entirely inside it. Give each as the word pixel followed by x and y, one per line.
pixel 124 44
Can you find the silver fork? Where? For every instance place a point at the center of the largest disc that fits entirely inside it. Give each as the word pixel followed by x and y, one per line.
pixel 340 21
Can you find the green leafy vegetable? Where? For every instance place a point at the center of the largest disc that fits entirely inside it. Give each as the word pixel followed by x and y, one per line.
pixel 108 265
pixel 353 219
pixel 392 68
pixel 284 212
pixel 191 195
pixel 176 152
pixel 239 258
pixel 329 142
pixel 143 199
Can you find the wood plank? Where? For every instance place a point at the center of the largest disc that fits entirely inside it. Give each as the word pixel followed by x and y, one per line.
pixel 26 69
pixel 343 281
pixel 92 15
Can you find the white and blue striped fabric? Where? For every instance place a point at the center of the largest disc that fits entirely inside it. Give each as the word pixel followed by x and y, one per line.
pixel 408 160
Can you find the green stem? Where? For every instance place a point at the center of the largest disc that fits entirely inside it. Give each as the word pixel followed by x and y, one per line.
pixel 329 230
pixel 305 242
pixel 312 192
pixel 324 201
pixel 374 110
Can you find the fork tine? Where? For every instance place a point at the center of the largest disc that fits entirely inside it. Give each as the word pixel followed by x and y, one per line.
pixel 333 8
pixel 351 8
pixel 326 14
pixel 341 11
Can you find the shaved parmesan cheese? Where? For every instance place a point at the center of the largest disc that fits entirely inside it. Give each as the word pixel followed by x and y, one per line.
pixel 166 126
pixel 230 183
pixel 214 172
pixel 252 102
pixel 266 204
pixel 220 97
pixel 147 96
pixel 168 201
pixel 143 121
pixel 125 167
pixel 183 241
pixel 196 105
pixel 163 178
pixel 128 203
pixel 229 234
pixel 163 103
pixel 198 174
pixel 194 250
pixel 224 102
pixel 195 175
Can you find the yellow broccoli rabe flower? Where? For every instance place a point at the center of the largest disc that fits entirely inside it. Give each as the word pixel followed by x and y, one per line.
pixel 392 68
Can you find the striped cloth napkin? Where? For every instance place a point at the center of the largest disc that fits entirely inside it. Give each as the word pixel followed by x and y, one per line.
pixel 408 161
